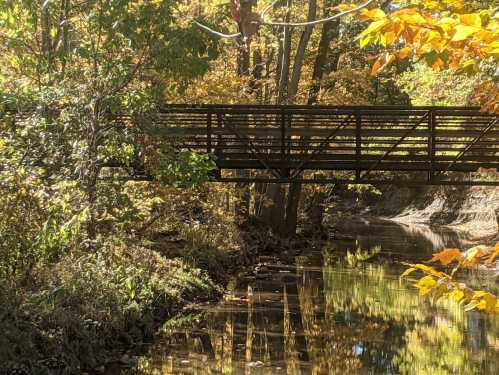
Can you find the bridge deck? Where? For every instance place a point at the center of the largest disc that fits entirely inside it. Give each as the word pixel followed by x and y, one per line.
pixel 284 141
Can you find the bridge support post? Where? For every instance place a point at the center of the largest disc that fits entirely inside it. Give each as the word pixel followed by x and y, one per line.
pixel 285 121
pixel 431 145
pixel 208 133
pixel 358 145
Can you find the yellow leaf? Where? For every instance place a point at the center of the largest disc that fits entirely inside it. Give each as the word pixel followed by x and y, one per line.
pixel 432 36
pixel 365 40
pixel 404 53
pixel 411 33
pixel 375 27
pixel 347 6
pixel 447 22
pixel 408 271
pixel 446 256
pixel 493 255
pixel 472 19
pixel 431 4
pixel 414 19
pixel 457 295
pixel 405 11
pixel 472 305
pixel 470 66
pixel 425 285
pixel 484 301
pixel 389 59
pixel 429 270
pixel 491 301
pixel 463 32
pixel 374 14
pixel 390 37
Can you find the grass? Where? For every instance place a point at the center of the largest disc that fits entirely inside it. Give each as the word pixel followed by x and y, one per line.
pixel 87 308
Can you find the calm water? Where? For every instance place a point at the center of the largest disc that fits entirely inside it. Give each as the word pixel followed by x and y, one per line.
pixel 310 313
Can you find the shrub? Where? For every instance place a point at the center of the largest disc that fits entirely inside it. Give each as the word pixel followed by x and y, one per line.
pixel 89 305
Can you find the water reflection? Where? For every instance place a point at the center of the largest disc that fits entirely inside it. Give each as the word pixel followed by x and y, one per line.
pixel 326 318
pixel 417 240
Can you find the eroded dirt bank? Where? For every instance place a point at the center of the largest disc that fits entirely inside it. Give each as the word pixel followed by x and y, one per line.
pixel 471 211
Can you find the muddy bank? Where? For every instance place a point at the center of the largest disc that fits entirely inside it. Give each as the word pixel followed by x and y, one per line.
pixel 471 211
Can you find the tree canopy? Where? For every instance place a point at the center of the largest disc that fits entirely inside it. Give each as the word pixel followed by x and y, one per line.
pixel 456 34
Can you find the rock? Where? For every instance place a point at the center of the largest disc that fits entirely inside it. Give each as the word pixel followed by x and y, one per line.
pixel 125 359
pixel 255 364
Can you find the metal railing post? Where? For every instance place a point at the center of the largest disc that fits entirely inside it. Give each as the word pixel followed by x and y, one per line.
pixel 283 144
pixel 208 133
pixel 431 145
pixel 358 145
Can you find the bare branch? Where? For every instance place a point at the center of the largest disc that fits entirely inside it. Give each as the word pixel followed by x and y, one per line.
pixel 268 9
pixel 258 22
pixel 216 33
pixel 321 21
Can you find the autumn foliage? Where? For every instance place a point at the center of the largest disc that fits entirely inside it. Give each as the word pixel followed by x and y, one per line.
pixel 451 34
pixel 443 284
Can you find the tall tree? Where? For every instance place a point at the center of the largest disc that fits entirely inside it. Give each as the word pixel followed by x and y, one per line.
pixel 281 207
pixel 81 64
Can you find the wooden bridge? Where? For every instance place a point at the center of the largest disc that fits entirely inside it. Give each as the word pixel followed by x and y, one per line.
pixel 416 145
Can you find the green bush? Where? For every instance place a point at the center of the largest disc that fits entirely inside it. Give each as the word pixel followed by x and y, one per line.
pixel 88 306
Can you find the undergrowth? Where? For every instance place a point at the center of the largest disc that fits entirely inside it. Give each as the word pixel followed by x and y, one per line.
pixel 88 307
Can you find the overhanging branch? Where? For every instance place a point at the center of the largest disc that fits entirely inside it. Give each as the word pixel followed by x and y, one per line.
pixel 321 21
pixel 216 33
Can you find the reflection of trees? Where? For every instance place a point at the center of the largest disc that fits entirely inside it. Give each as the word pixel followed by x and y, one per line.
pixel 340 321
pixel 402 237
pixel 249 331
pixel 436 350
pixel 335 345
pixel 223 346
pixel 329 345
pixel 422 339
pixel 370 292
pixel 290 352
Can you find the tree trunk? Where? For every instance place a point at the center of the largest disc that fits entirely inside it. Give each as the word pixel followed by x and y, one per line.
pixel 92 175
pixel 45 31
pixel 268 63
pixel 273 211
pixel 300 52
pixel 257 75
pixel 243 70
pixel 330 31
pixel 282 92
pixel 294 192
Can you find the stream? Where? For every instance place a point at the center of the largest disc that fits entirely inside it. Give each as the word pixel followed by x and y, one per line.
pixel 310 312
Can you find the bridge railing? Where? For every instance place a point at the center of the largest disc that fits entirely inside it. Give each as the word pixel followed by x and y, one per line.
pixel 280 143
pixel 287 140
